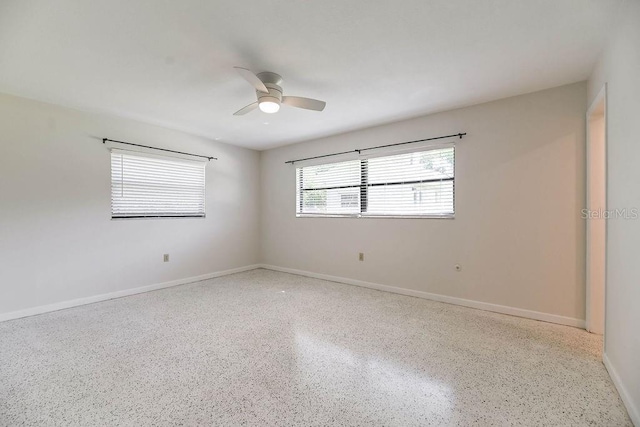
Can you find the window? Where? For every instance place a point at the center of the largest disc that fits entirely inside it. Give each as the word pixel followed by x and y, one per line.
pixel 416 184
pixel 149 186
pixel 349 200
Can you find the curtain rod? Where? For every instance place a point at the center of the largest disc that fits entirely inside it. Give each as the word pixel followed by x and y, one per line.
pixel 459 135
pixel 104 140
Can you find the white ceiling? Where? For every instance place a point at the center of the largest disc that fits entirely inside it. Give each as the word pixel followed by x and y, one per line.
pixel 373 61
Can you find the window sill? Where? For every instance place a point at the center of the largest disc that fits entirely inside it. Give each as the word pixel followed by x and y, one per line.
pixel 120 218
pixel 445 216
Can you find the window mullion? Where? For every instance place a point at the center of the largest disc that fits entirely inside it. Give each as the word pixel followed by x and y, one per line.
pixel 364 187
pixel 301 193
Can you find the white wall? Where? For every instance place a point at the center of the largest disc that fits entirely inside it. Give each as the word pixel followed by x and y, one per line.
pixel 619 67
pixel 57 239
pixel 518 234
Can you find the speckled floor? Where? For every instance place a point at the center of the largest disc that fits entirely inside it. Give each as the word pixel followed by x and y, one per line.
pixel 266 348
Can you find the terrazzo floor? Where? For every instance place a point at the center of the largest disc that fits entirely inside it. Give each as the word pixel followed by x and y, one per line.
pixel 267 348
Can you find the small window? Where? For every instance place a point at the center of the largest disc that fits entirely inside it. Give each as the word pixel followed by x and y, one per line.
pixel 149 186
pixel 416 184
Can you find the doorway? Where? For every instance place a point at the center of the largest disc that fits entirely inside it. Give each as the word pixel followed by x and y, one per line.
pixel 596 213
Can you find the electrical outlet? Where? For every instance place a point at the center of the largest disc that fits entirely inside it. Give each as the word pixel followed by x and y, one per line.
pixel 361 256
pixel 166 258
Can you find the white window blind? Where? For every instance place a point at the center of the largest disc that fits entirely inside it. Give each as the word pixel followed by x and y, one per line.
pixel 419 183
pixel 149 186
pixel 331 189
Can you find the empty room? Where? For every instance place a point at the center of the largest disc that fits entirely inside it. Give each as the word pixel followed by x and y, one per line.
pixel 319 213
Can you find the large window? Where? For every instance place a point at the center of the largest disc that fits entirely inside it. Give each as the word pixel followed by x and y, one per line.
pixel 148 186
pixel 415 184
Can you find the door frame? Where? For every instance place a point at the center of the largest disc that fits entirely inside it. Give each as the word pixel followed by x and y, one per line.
pixel 600 101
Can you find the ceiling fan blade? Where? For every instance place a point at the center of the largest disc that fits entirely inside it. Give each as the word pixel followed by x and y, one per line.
pixel 247 109
pixel 306 103
pixel 252 79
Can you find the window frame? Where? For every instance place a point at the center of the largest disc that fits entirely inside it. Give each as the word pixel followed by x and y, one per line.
pixel 175 158
pixel 364 185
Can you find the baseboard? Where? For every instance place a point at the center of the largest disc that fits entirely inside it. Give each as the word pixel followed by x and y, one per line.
pixel 520 312
pixel 546 317
pixel 118 294
pixel 632 410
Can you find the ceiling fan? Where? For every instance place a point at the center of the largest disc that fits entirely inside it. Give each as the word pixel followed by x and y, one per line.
pixel 269 93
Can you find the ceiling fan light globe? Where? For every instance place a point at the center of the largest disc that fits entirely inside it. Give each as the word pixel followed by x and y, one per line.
pixel 269 107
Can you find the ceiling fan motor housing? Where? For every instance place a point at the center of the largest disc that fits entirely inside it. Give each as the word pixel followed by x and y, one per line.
pixel 272 81
pixel 274 95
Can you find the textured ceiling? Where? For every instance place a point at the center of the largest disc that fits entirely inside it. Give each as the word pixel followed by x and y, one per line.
pixel 171 62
